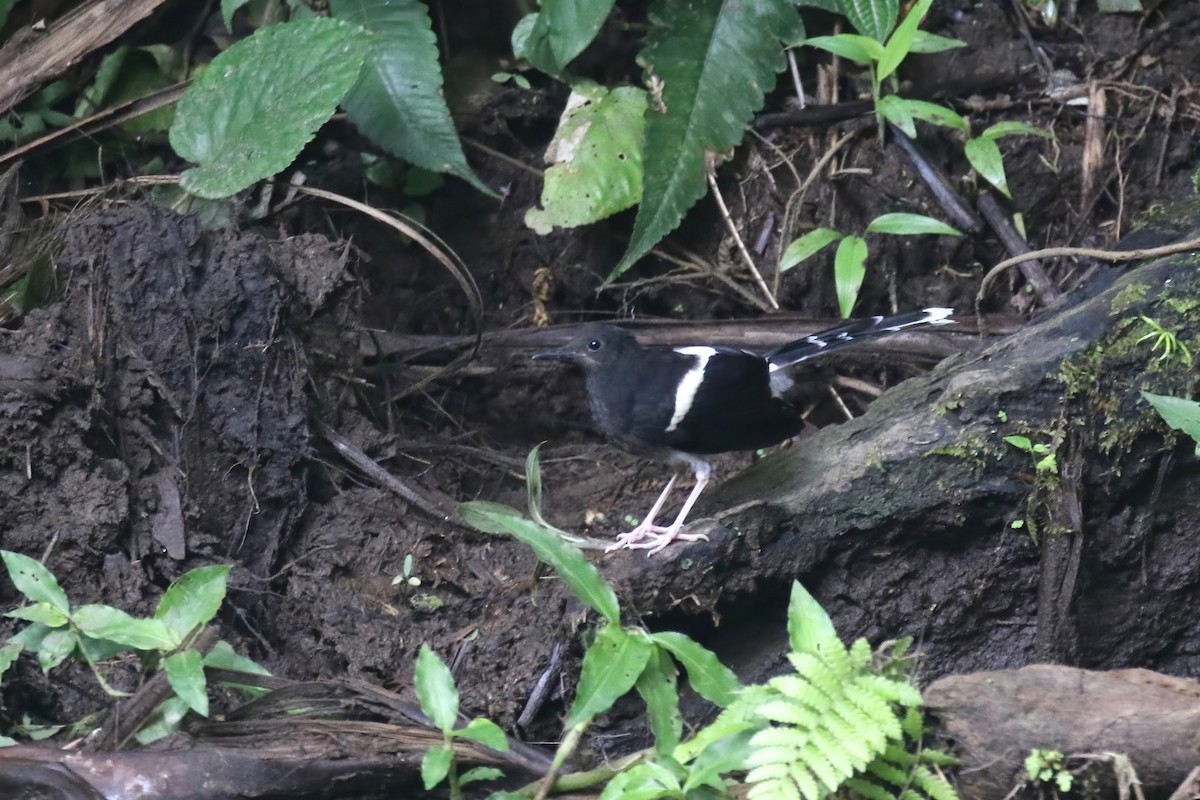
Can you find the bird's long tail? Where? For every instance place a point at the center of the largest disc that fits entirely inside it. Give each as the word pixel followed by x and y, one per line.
pixel 822 342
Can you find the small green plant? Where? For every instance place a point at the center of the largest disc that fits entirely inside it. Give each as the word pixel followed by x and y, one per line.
pixel 438 697
pixel 1179 413
pixel 406 576
pixel 1167 341
pixel 1047 767
pixel 96 633
pixel 849 263
pixel 846 719
pixel 1045 461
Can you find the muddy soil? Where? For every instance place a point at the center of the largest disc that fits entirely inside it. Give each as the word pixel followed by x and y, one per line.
pixel 174 405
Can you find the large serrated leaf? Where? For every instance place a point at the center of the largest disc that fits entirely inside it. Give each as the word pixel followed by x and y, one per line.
pixel 712 60
pixel 658 686
pixel 397 101
pixel 611 667
pixel 595 157
pixel 252 111
pixel 711 679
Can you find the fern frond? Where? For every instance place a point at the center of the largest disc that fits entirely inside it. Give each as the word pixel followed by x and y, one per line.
pixel 860 654
pixel 831 763
pixel 774 789
pixel 808 786
pixel 894 691
pixel 781 737
pixel 860 752
pixel 889 772
pixel 789 712
pixel 864 727
pixel 799 689
pixel 871 791
pixel 818 672
pixel 933 784
pixel 862 695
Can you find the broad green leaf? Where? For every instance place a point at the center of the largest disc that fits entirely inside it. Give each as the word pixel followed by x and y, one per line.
pixel 44 613
pixel 95 650
pixel 193 599
pixel 486 732
pixel 223 656
pixel 711 679
pixel 1180 414
pixel 9 653
pixel 55 647
pixel 809 628
pixel 659 688
pixel 397 101
pixel 595 158
pixel 228 9
pixel 561 31
pixel 476 774
pixel 874 18
pixel 1014 128
pixel 722 756
pixel 251 112
pixel 806 246
pixel 709 64
pixel 849 269
pixel 1020 442
pixel 164 721
pixel 435 690
pixel 904 224
pixel 902 112
pixel 35 581
pixel 566 559
pixel 925 42
pixel 113 624
pixel 435 765
pixel 984 156
pixel 645 781
pixel 185 673
pixel 611 667
pixel 899 44
pixel 859 49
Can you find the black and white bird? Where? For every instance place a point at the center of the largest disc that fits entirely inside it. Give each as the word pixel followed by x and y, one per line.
pixel 682 403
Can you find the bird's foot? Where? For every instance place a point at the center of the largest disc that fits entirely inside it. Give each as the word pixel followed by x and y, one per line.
pixel 653 538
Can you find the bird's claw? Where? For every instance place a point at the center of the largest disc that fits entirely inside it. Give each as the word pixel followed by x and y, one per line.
pixel 653 538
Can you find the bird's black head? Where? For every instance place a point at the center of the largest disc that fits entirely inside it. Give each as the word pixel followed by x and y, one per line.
pixel 597 344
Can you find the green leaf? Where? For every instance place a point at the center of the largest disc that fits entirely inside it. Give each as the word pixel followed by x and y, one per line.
pixel 397 101
pixel 658 687
pixel 722 756
pixel 476 774
pixel 859 49
pixel 902 112
pixel 193 599
pixel 611 667
pixel 903 224
pixel 113 624
pixel 849 269
pixel 566 559
pixel 35 581
pixel 1014 128
pixel 711 679
pixel 55 647
pixel 645 781
pixel 223 656
pixel 1020 442
pixel 9 653
pixel 810 630
pixel 899 44
pixel 1182 415
pixel 486 732
pixel 984 156
pixel 185 673
pixel 228 9
pixel 1120 6
pixel 164 721
pixel 806 246
pixel 435 765
pixel 251 112
pixel 44 613
pixel 874 18
pixel 709 62
pixel 436 691
pixel 595 157
pixel 533 484
pixel 561 31
pixel 925 42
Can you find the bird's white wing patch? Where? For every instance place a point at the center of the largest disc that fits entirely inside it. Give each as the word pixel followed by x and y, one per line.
pixel 688 386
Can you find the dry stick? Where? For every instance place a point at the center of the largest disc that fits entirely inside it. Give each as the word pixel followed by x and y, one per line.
pixel 950 200
pixel 711 174
pixel 1115 256
pixel 1016 244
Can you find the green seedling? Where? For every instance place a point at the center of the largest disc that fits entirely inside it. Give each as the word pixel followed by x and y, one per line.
pixel 1044 459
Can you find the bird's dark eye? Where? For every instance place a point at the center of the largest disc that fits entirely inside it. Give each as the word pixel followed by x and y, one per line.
pixel 594 344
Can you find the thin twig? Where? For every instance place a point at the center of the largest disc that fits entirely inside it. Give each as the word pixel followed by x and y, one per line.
pixel 711 173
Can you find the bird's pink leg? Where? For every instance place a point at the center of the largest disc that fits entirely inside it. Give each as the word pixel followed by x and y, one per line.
pixel 654 538
pixel 647 528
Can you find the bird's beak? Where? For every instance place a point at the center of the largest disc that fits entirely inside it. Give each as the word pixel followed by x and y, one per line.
pixel 562 354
